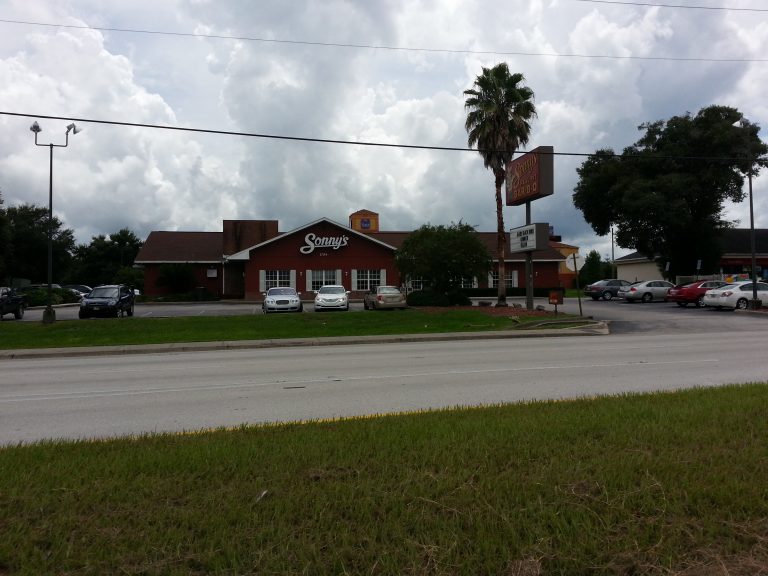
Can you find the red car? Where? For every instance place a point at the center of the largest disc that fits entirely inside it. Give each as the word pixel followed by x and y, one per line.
pixel 692 293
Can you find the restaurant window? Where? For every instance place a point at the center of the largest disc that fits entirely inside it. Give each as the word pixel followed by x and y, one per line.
pixel 414 284
pixel 510 276
pixel 277 278
pixel 322 278
pixel 368 279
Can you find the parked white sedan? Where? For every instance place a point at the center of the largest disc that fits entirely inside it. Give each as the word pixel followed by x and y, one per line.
pixel 332 297
pixel 736 295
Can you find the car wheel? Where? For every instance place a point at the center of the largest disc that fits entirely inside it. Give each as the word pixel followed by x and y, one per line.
pixel 130 311
pixel 82 315
pixel 682 304
pixel 607 295
pixel 301 307
pixel 118 312
pixel 19 313
pixel 595 298
pixel 699 301
pixel 741 304
pixel 647 297
pixel 365 304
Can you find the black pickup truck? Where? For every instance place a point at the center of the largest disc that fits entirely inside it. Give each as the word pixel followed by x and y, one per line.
pixel 12 303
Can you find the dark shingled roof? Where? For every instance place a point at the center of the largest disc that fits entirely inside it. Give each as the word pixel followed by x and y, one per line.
pixel 736 242
pixel 396 239
pixel 166 246
pixel 181 247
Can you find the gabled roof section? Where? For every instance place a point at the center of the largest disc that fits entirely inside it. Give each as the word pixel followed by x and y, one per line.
pixel 489 239
pixel 181 247
pixel 245 254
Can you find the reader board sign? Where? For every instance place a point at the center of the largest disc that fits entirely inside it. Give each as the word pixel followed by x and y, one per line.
pixel 529 238
pixel 530 176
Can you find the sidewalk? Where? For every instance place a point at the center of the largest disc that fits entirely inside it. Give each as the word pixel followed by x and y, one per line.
pixel 595 329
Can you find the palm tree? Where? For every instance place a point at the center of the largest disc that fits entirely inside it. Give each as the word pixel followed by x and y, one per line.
pixel 497 122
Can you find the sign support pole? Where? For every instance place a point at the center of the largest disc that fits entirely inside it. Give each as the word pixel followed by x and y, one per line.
pixel 528 265
pixel 578 289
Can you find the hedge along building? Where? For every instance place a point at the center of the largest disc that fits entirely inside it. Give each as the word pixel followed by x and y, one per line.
pixel 250 256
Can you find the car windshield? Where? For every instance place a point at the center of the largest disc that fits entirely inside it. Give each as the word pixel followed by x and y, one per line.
pixel 106 292
pixel 388 290
pixel 281 292
pixel 332 290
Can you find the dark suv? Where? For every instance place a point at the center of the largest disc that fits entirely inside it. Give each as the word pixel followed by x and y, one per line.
pixel 605 289
pixel 110 300
pixel 12 303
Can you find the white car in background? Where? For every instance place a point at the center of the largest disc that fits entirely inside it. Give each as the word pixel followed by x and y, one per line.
pixel 331 297
pixel 646 291
pixel 735 296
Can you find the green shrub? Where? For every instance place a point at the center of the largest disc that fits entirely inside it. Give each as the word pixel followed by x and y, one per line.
pixel 39 297
pixel 458 299
pixel 432 298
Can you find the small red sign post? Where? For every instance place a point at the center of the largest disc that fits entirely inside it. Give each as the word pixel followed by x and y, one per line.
pixel 555 297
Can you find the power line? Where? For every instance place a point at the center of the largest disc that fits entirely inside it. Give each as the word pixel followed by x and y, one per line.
pixel 330 141
pixel 721 8
pixel 384 47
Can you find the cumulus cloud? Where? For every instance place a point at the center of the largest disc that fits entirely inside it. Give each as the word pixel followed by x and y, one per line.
pixel 144 179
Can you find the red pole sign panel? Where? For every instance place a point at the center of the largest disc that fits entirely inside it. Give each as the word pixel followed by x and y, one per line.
pixel 530 176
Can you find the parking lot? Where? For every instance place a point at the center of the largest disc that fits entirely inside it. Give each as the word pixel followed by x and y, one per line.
pixel 624 317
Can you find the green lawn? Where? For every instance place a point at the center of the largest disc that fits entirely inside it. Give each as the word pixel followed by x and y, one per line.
pixel 643 484
pixel 112 331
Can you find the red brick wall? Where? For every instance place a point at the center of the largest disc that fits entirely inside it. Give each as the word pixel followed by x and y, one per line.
pixel 284 254
pixel 152 275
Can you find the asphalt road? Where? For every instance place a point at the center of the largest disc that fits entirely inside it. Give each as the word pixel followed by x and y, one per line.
pixel 117 395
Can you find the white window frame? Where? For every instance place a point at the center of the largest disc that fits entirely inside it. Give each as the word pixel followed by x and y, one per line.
pixel 319 278
pixel 277 279
pixel 511 278
pixel 414 284
pixel 367 279
pixel 468 282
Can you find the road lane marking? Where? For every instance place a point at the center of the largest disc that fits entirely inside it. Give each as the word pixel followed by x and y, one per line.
pixel 47 396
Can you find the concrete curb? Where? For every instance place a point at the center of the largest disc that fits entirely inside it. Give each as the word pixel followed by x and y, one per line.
pixel 597 328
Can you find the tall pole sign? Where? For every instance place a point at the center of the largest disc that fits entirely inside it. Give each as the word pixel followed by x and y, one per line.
pixel 530 177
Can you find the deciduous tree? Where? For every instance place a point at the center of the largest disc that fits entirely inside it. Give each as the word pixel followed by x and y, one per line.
pixel 666 193
pixel 442 255
pixel 28 232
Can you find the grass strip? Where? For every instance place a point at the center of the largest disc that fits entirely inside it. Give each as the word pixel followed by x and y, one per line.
pixel 126 331
pixel 669 483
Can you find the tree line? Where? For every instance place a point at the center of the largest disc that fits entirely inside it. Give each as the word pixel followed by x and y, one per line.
pixel 106 259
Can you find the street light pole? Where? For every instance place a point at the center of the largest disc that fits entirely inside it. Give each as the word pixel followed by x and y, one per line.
pixel 755 302
pixel 49 315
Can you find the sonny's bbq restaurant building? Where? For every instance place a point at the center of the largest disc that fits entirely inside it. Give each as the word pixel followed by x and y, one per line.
pixel 250 256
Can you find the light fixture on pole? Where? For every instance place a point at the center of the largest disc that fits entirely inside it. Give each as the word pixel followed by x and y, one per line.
pixel 754 303
pixel 49 316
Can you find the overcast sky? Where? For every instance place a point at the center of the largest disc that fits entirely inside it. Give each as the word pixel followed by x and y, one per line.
pixel 368 71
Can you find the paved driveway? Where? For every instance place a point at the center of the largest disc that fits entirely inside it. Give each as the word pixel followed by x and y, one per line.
pixel 624 317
